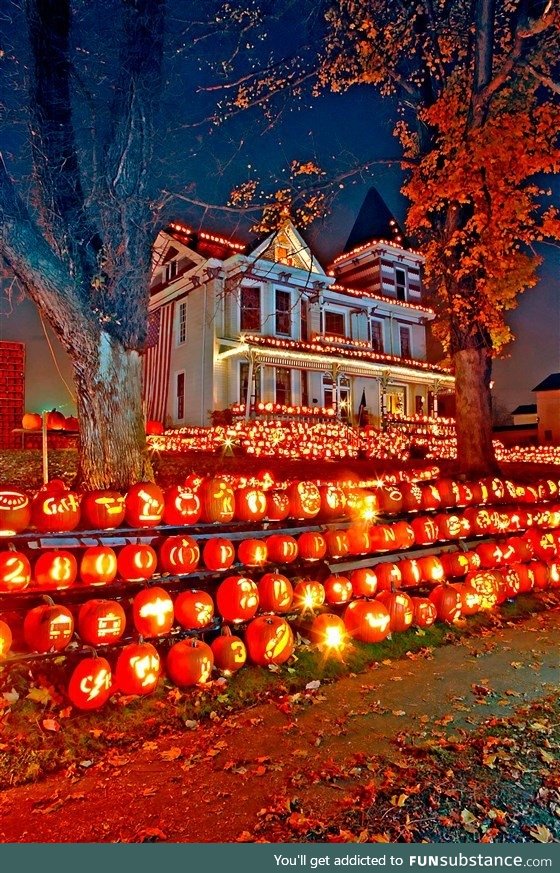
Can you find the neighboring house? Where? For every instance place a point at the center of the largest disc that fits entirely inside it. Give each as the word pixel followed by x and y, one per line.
pixel 231 324
pixel 548 409
pixel 526 414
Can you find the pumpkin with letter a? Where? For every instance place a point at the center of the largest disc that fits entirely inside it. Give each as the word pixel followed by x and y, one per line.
pixel 338 589
pixel 98 566
pixel 55 569
pixel 144 505
pixel 275 593
pixel 425 612
pixel 218 554
pixel 252 552
pixel 189 662
pixel 237 598
pixel 230 653
pixel 367 621
pixel 138 669
pixel 217 500
pixel 447 601
pixel 55 510
pixel 182 505
pixel 364 582
pixel 282 549
pixel 194 609
pixel 309 595
pixel 15 571
pixel 90 684
pixel 305 500
pixel 48 628
pixel 400 608
pixel 152 612
pixel 101 622
pixel 269 640
pixel 5 639
pixel 15 511
pixel 312 546
pixel 277 505
pixel 179 555
pixel 103 509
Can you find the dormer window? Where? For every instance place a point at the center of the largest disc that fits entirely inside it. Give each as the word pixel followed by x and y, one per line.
pixel 170 271
pixel 400 283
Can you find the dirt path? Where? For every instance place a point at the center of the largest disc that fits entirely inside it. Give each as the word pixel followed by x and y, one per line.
pixel 209 784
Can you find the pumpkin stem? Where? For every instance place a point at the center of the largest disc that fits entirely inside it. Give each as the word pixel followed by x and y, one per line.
pixel 47 599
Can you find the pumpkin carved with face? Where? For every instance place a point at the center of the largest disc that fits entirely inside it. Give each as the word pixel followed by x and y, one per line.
pixel 138 669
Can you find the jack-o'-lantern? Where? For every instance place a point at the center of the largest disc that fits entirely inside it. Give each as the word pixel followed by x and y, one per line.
pixel 15 571
pixel 277 505
pixel 230 653
pixel 399 606
pixel 425 612
pixel 554 580
pixel 389 575
pixel 154 428
pixel 367 621
pixel 250 504
pixel 98 566
pixel 411 496
pixel 328 631
pixel 411 575
pixel 32 421
pixel 543 543
pixel 309 595
pixel 404 534
pixel 466 494
pixel 511 582
pixel 55 511
pixel 530 494
pixel 490 555
pixel 337 543
pixel 482 521
pixel 5 639
pixel 496 489
pixel 431 569
pixel 364 582
pixel 269 640
pixel 217 499
pixel 101 622
pixel 275 593
pixel 389 499
pixel 252 552
pixel 189 662
pixel 338 589
pixel 138 669
pixel 179 555
pixel 182 505
pixel 152 612
pixel 305 500
pixel 90 684
pixel 526 577
pixel 282 549
pixel 382 538
pixel 15 511
pixel 451 526
pixel 449 493
pixel 447 601
pixel 144 505
pixel 541 575
pixel 218 554
pixel 136 562
pixel 333 501
pixel 455 564
pixel 237 598
pixel 194 609
pixel 431 498
pixel 361 505
pixel 312 546
pixel 425 529
pixel 48 628
pixel 485 583
pixel 102 509
pixel 55 569
pixel 470 599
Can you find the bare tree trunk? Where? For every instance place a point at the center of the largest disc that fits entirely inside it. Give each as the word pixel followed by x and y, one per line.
pixel 112 435
pixel 475 452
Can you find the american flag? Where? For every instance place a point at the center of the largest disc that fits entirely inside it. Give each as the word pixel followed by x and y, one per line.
pixel 155 362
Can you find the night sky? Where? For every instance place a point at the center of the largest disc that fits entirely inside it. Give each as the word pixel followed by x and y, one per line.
pixel 205 161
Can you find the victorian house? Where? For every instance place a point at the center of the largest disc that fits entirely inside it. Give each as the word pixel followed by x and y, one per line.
pixel 235 325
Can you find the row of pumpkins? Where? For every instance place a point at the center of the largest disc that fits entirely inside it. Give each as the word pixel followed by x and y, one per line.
pixel 55 508
pixel 56 420
pixel 181 554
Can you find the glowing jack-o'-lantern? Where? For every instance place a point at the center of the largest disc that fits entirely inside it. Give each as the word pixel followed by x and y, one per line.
pixel 230 653
pixel 179 555
pixel 411 575
pixel 312 546
pixel 144 505
pixel 275 593
pixel 328 631
pixel 400 608
pixel 361 505
pixel 101 622
pixel 136 562
pixel 511 582
pixel 5 639
pixel 182 505
pixel 447 601
pixel 338 589
pixel 138 669
pixel 425 529
pixel 309 595
pixel 237 598
pixel 90 684
pixel 189 662
pixel 269 640
pixel 15 571
pixel 333 501
pixel 48 628
pixel 470 599
pixel 282 549
pixel 152 612
pixel 431 498
pixel 404 534
pixel 481 520
pixel 250 504
pixel 305 500
pixel 98 566
pixel 451 526
pixel 389 499
pixel 485 583
pixel 277 505
pixel 103 509
pixel 218 501
pixel 364 582
pixel 425 612
pixel 411 496
pixel 337 543
pixel 218 554
pixel 543 543
pixel 455 564
pixel 55 570
pixel 431 569
pixel 449 492
pixel 357 536
pixel 367 620
pixel 389 575
pixel 490 555
pixel 252 552
pixel 194 609
pixel 382 538
pixel 55 511
pixel 15 511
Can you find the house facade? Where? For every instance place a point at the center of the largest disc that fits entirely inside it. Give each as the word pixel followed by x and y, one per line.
pixel 235 326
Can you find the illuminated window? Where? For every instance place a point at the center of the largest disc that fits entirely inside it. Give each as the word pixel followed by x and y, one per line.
pixel 283 386
pixel 182 323
pixel 180 396
pixel 250 317
pixel 283 313
pixel 334 323
pixel 255 392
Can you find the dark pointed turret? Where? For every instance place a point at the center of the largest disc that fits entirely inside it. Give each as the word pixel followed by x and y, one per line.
pixel 375 222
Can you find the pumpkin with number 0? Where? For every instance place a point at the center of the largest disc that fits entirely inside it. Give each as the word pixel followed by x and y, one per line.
pixel 136 562
pixel 98 566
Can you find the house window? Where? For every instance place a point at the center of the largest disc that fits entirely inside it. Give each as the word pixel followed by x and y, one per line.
pixel 304 320
pixel 254 392
pixel 406 345
pixel 304 388
pixel 170 271
pixel 180 396
pixel 334 323
pixel 182 323
pixel 250 316
pixel 377 335
pixel 283 313
pixel 395 401
pixel 400 283
pixel 283 393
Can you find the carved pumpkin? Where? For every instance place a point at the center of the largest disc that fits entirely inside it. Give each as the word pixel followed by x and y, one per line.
pixel 338 589
pixel 309 595
pixel 361 505
pixel 470 599
pixel 382 538
pixel 252 552
pixel 48 628
pixel 144 505
pixel 357 536
pixel 55 570
pixel 189 662
pixel 367 621
pixel 282 549
pixel 364 582
pixel 490 555
pixel 277 505
pixel 333 501
pixel 337 543
pixel 250 504
pixel 182 505
pixel 54 511
pixel 136 562
pixel 275 593
pixel 404 535
pixel 511 582
pixel 328 631
pixel 541 575
pixel 425 612
pixel 15 511
pixel 411 496
pixel 269 640
pixel 485 583
pixel 237 599
pixel 389 499
pixel 179 555
pixel 451 526
pixel 305 500
pixel 230 653
pixel 15 571
pixel 194 609
pixel 101 622
pixel 138 669
pixel 431 569
pixel 98 566
pixel 543 544
pixel 400 608
pixel 312 546
pixel 103 509
pixel 218 554
pixel 90 684
pixel 526 577
pixel 425 530
pixel 449 493
pixel 447 601
pixel 411 575
pixel 152 612
pixel 217 500
pixel 431 498
pixel 5 639
pixel 389 575
pixel 481 520
pixel 455 564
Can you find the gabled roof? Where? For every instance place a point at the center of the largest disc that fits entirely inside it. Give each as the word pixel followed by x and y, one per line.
pixel 525 409
pixel 551 383
pixel 374 222
pixel 263 248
